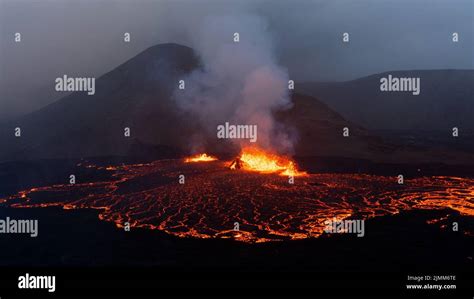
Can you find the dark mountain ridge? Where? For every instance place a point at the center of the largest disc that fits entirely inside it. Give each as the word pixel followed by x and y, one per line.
pixel 139 95
pixel 446 100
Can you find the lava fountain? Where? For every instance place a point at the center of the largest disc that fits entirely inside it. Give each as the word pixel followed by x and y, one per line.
pixel 258 160
pixel 200 158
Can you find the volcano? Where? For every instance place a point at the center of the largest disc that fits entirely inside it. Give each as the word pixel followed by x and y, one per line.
pixel 259 196
pixel 136 94
pixel 139 95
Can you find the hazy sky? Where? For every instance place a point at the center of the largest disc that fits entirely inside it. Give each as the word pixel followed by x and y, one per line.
pixel 85 38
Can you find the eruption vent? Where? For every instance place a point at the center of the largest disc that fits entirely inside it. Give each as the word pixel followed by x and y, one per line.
pixel 255 159
pixel 239 81
pixel 200 158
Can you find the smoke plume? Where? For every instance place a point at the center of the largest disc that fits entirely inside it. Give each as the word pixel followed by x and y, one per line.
pixel 238 82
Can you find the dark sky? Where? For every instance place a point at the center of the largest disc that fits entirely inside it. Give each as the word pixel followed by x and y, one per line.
pixel 84 38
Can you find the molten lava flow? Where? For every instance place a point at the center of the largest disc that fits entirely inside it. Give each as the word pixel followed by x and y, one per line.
pixel 255 159
pixel 200 158
pixel 266 207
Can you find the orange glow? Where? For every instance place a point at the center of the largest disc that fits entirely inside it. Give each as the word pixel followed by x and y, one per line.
pixel 255 159
pixel 200 158
pixel 317 198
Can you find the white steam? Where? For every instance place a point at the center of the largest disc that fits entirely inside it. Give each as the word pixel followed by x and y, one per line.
pixel 239 82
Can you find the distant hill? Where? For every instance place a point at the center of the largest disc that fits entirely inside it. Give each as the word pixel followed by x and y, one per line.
pixel 137 94
pixel 446 100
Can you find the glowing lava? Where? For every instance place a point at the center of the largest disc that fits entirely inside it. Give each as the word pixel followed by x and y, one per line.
pixel 200 158
pixel 267 207
pixel 258 160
